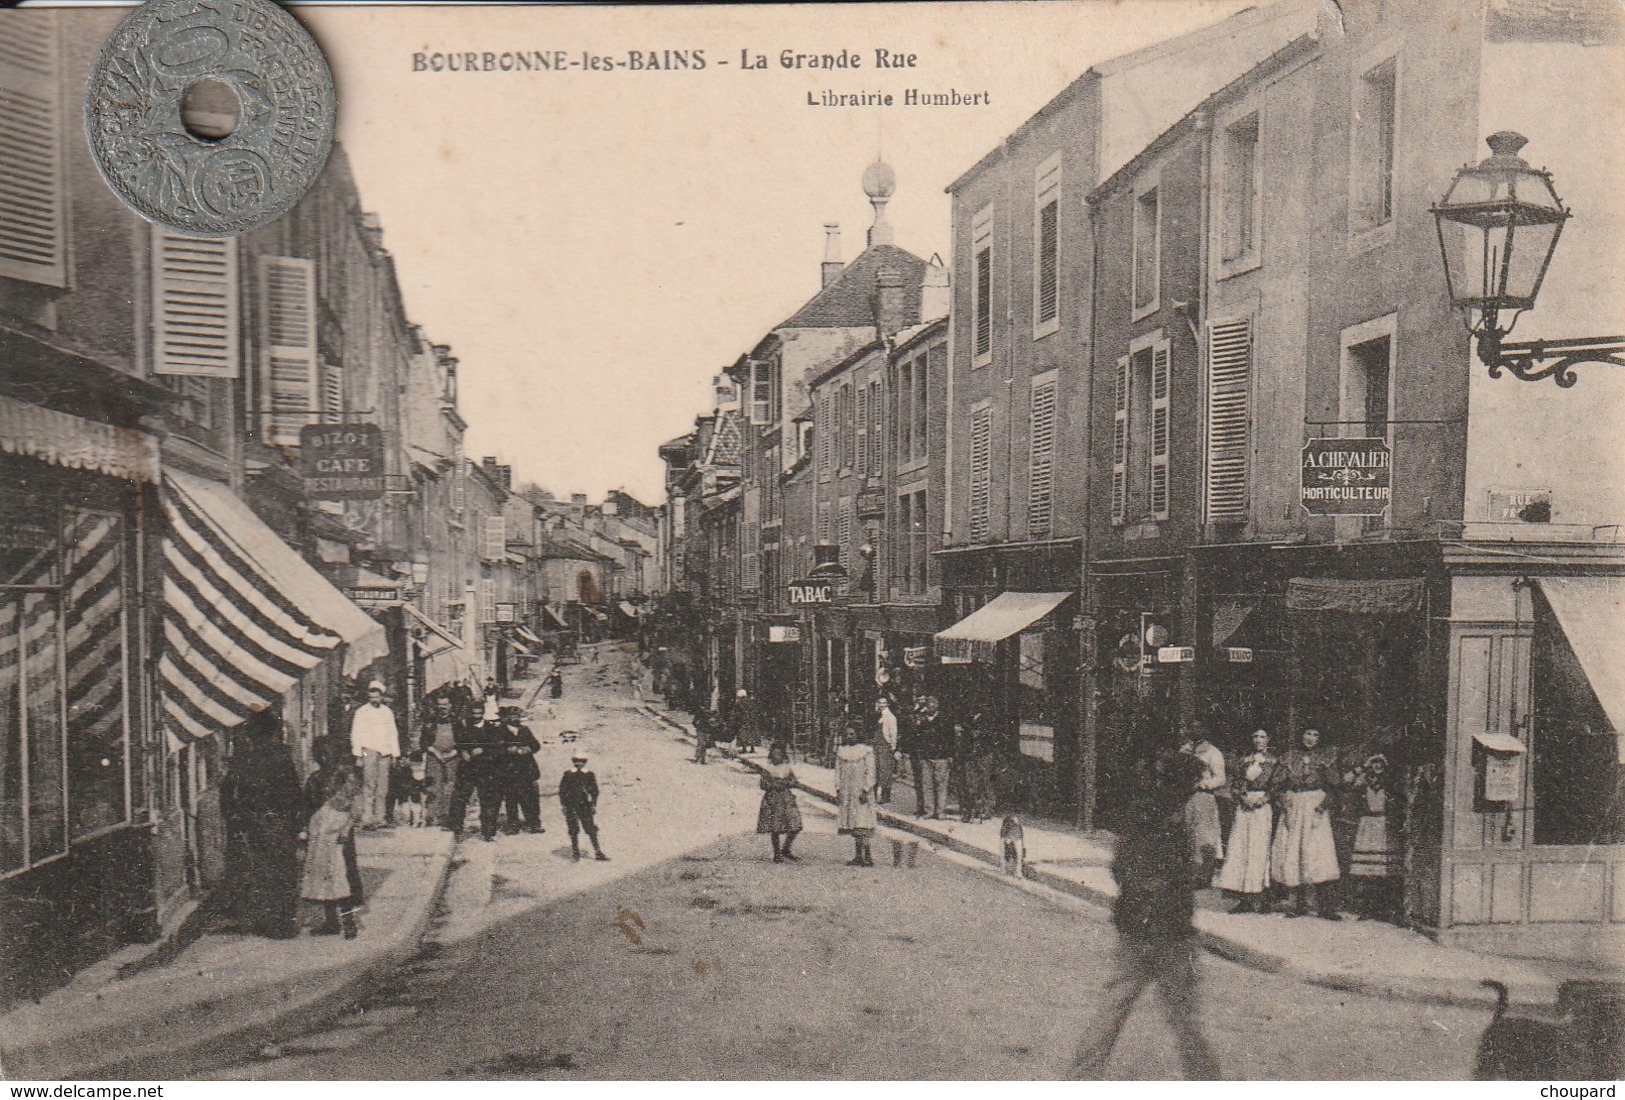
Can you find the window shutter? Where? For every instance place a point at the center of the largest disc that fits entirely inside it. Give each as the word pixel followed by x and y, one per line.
pixel 824 531
pixel 194 307
pixel 1041 462
pixel 1229 382
pixel 984 303
pixel 825 443
pixel 459 484
pixel 981 470
pixel 877 436
pixel 496 538
pixel 288 322
pixel 33 222
pixel 488 600
pixel 1120 443
pixel 1161 367
pixel 332 393
pixel 844 535
pixel 1048 249
pixel 750 540
pixel 862 463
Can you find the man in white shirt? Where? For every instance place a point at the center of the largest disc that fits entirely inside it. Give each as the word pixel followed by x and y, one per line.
pixel 376 743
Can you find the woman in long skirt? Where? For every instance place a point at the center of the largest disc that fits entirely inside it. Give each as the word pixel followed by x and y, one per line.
pixel 1304 855
pixel 855 795
pixel 1375 859
pixel 779 817
pixel 1246 869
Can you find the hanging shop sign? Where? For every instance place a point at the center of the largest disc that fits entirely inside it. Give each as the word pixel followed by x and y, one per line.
pixel 1238 655
pixel 1176 654
pixel 784 634
pixel 914 656
pixel 342 461
pixel 871 503
pixel 373 599
pixel 811 593
pixel 1346 477
pixel 507 613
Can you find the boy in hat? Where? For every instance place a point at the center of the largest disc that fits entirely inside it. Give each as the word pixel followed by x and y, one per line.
pixel 578 794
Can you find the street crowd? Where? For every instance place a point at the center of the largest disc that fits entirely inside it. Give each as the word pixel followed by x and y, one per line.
pixel 289 839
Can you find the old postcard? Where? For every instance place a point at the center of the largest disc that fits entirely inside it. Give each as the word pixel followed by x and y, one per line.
pixel 897 542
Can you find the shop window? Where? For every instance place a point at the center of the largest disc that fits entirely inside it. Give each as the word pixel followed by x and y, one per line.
pixel 1037 725
pixel 93 614
pixel 1578 775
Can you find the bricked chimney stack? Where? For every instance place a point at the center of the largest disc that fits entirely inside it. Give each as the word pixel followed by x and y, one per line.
pixel 889 305
pixel 832 254
pixel 934 292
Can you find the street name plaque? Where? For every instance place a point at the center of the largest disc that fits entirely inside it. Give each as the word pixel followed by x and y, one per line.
pixel 1346 477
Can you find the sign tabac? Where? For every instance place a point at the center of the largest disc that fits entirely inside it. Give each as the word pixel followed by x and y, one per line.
pixel 342 461
pixel 811 593
pixel 1346 477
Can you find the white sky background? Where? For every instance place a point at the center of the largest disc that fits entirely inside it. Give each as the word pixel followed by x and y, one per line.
pixel 595 247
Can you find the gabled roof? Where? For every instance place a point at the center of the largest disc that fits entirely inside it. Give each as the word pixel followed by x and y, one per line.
pixel 567 549
pixel 727 441
pixel 848 302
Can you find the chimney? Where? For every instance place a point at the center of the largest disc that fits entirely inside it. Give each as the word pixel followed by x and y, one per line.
pixel 832 254
pixel 889 304
pixel 578 505
pixel 934 293
pixel 880 184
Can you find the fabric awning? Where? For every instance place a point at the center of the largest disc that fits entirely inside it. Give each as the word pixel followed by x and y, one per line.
pixel 595 613
pixel 628 610
pixel 1228 615
pixel 1500 742
pixel 244 615
pixel 1357 597
pixel 557 618
pixel 1590 609
pixel 527 635
pixel 1008 613
pixel 521 647
pixel 445 635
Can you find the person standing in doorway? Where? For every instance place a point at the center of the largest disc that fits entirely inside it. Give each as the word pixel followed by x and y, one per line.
pixel 933 741
pixel 1156 943
pixel 375 742
pixel 886 735
pixel 1246 870
pixel 1304 856
pixel 261 803
pixel 745 722
pixel 855 795
pixel 578 795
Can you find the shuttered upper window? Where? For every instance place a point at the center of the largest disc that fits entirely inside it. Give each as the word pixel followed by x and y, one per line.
pixel 862 466
pixel 33 218
pixel 1046 246
pixel 1142 429
pixel 1041 458
pixel 496 538
pixel 877 438
pixel 1120 408
pixel 843 536
pixel 290 373
pixel 1160 430
pixel 982 287
pixel 981 470
pixel 194 306
pixel 1229 385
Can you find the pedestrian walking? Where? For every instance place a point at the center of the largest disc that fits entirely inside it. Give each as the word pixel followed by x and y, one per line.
pixel 479 776
pixel 261 804
pixel 443 729
pixel 1304 857
pixel 520 773
pixel 933 744
pixel 886 740
pixel 555 683
pixel 745 720
pixel 779 817
pixel 1202 807
pixel 326 877
pixel 1246 869
pixel 578 795
pixel 855 795
pixel 375 742
pixel 707 723
pixel 1156 942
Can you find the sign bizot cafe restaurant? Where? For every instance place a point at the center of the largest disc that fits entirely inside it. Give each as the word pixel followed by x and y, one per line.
pixel 1346 477
pixel 342 461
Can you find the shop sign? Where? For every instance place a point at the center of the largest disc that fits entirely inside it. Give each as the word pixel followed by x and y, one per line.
pixel 784 633
pixel 1176 654
pixel 506 613
pixel 342 461
pixel 871 503
pixel 1346 477
pixel 811 593
pixel 914 656
pixel 1238 655
pixel 371 599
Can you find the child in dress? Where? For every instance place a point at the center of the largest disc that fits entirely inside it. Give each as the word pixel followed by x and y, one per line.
pixel 326 879
pixel 779 817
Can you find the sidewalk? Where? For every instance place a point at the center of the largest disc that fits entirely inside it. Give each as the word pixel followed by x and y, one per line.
pixel 223 986
pixel 1369 957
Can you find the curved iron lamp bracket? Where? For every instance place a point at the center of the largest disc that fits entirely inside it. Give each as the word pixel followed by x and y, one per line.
pixel 1538 360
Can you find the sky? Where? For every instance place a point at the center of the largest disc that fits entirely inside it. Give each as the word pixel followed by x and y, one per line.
pixel 596 246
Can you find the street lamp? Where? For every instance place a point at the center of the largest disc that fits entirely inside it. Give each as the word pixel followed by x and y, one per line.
pixel 1498 226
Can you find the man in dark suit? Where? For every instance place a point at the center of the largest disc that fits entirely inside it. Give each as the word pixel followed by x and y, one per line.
pixel 578 794
pixel 479 772
pixel 520 773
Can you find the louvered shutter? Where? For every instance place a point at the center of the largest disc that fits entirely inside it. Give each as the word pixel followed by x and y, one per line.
pixel 1041 462
pixel 876 430
pixel 292 375
pixel 824 531
pixel 1120 443
pixel 488 600
pixel 843 536
pixel 496 538
pixel 981 470
pixel 1229 384
pixel 33 222
pixel 1161 369
pixel 1048 296
pixel 750 540
pixel 862 440
pixel 459 484
pixel 826 444
pixel 332 393
pixel 194 306
pixel 984 302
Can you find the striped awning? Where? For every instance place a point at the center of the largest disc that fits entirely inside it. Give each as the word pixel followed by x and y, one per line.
pixel 244 615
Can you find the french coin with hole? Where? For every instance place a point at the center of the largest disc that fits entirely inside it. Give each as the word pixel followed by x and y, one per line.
pixel 212 118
